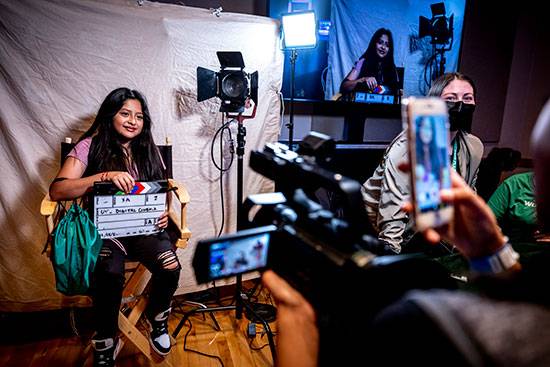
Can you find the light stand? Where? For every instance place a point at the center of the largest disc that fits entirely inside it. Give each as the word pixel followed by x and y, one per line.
pixel 440 70
pixel 241 134
pixel 290 125
pixel 240 301
pixel 298 31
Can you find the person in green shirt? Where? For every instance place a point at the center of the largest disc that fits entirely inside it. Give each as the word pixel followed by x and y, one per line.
pixel 513 203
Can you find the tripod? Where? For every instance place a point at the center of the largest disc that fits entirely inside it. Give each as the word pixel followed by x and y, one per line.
pixel 240 301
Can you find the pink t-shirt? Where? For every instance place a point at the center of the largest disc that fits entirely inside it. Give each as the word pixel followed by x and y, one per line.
pixel 82 149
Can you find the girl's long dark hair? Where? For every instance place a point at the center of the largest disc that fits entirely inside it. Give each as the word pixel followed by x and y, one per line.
pixel 372 60
pixel 106 151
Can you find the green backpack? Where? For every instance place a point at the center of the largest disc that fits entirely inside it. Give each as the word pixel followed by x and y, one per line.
pixel 75 248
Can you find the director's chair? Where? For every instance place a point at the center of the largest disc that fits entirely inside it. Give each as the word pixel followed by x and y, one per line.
pixel 137 276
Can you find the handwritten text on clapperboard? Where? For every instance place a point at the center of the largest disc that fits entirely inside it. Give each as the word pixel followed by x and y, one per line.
pixel 128 215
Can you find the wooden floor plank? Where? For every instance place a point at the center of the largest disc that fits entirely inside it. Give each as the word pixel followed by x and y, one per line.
pixel 231 344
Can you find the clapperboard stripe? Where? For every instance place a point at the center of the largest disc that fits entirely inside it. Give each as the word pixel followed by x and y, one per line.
pixel 146 188
pixel 108 188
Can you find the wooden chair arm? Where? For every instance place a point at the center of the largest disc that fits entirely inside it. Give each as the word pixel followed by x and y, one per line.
pixel 182 196
pixel 179 191
pixel 48 208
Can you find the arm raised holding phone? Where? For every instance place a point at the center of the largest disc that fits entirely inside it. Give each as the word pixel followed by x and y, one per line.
pixel 473 229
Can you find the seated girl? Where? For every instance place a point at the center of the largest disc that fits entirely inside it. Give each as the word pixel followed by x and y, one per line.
pixel 119 148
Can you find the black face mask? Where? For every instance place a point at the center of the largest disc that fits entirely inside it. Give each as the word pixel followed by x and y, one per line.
pixel 460 115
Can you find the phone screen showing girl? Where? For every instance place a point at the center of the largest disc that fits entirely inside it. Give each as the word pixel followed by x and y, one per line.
pixel 432 171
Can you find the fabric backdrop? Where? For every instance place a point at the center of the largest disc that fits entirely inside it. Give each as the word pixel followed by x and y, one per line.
pixel 58 61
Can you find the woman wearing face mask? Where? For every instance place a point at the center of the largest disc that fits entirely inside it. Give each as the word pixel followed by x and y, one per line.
pixel 388 188
pixel 375 70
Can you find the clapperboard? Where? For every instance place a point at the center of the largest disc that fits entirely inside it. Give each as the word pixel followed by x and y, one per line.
pixel 117 214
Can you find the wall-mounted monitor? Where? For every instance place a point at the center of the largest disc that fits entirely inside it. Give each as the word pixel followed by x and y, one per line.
pixel 424 40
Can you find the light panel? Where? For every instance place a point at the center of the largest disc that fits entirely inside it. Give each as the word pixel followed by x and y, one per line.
pixel 299 30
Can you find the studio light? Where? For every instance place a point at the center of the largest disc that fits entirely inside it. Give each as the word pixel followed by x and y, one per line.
pixel 298 32
pixel 439 27
pixel 231 84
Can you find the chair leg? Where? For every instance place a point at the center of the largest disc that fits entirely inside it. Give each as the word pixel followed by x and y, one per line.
pixel 137 311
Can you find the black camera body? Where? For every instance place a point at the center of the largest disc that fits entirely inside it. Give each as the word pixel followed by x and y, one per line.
pixel 315 248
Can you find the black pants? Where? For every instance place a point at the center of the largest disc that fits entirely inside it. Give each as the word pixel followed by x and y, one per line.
pixel 157 253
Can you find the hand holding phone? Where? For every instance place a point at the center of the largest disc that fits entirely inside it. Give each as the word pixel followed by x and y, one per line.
pixel 428 136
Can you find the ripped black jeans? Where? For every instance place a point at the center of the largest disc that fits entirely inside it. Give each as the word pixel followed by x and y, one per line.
pixel 157 253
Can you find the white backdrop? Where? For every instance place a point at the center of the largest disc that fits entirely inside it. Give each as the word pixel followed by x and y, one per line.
pixel 59 59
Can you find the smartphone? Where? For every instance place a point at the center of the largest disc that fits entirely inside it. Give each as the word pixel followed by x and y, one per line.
pixel 428 149
pixel 229 255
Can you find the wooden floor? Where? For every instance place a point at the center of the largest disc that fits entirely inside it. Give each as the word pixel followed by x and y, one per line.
pixel 231 344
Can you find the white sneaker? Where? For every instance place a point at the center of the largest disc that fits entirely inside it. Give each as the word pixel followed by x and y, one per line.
pixel 158 335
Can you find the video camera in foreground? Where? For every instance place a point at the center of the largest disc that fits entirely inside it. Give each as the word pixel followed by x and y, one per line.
pixel 330 259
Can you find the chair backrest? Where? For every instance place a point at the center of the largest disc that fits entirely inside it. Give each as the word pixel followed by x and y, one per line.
pixel 491 168
pixel 164 150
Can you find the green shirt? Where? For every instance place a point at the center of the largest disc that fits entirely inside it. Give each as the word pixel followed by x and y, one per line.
pixel 513 203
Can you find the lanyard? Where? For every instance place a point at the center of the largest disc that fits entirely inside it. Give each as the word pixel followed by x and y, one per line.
pixel 454 160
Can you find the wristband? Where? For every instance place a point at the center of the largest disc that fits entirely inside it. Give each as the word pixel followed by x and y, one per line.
pixel 504 259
